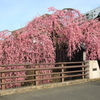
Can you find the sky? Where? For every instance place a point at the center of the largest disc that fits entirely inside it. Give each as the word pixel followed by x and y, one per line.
pixel 15 14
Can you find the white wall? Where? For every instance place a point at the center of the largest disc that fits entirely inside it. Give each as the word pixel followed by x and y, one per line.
pixel 94 71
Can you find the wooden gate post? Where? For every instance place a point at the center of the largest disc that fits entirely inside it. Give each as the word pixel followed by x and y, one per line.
pixel 84 55
pixel 37 82
pixel 62 73
pixel 3 80
pixel 82 71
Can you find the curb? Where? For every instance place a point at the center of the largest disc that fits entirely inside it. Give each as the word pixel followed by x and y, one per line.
pixel 46 86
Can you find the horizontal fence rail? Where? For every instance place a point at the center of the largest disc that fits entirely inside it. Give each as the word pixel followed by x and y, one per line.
pixel 45 63
pixel 59 72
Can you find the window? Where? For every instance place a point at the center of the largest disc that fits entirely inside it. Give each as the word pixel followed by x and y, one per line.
pixel 87 16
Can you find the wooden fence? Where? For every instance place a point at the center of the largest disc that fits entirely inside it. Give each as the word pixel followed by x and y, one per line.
pixel 64 70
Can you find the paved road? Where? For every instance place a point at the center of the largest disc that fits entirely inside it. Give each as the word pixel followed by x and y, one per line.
pixel 85 91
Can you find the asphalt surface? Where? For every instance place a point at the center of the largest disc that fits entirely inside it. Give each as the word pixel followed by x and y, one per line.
pixel 84 91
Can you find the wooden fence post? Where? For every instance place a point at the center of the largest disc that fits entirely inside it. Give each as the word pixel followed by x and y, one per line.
pixel 82 71
pixel 3 80
pixel 37 82
pixel 62 73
